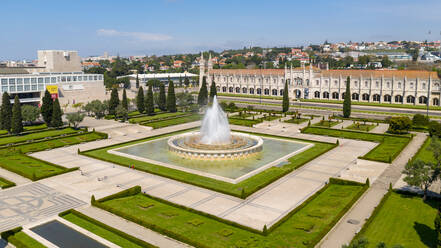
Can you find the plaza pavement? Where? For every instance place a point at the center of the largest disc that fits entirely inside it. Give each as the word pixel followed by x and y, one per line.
pixel 265 207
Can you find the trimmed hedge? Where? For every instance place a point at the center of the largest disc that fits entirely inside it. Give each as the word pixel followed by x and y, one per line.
pixel 108 228
pixel 7 183
pixel 9 236
pixel 264 232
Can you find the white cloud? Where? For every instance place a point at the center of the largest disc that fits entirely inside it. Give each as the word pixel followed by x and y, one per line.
pixel 141 36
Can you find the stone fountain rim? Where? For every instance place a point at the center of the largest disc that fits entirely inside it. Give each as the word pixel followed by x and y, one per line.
pixel 172 146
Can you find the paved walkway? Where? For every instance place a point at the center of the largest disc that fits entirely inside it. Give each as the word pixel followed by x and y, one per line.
pixel 343 232
pixel 131 228
pixel 11 176
pixel 381 128
pixel 265 207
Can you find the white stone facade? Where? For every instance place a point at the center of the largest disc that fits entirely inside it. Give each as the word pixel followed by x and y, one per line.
pixel 378 86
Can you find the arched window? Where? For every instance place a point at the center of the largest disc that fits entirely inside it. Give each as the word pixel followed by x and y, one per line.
pixel 399 85
pixel 266 91
pixel 423 85
pixel 251 90
pixel 259 91
pixel 244 90
pixel 366 84
pixel 334 95
pixel 377 84
pixel 274 92
pixel 436 101
pixel 410 99
pixel 343 95
pixel 356 83
pixel 436 86
pixel 317 82
pixel 335 82
pixel 411 85
pixel 388 84
pixel 297 93
pixel 281 92
pixel 376 97
pixel 317 94
pixel 217 88
pixel 230 89
pixel 422 100
pixel 355 96
pixel 326 95
pixel 398 98
pixel 237 89
pixel 224 89
pixel 387 98
pixel 365 97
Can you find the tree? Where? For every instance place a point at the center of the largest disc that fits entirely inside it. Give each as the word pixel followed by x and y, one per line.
pixel 149 105
pixel 347 100
pixel 6 112
pixel 162 101
pixel 137 81
pixel 203 93
pixel 114 101
pixel 434 128
pixel 122 112
pixel 184 100
pixel 140 100
pixel 171 98
pixel 358 243
pixel 435 148
pixel 399 125
pixel 419 120
pixel 125 102
pixel 29 113
pixel 285 103
pixel 17 121
pixel 212 90
pixel 75 119
pixel 385 62
pixel 420 174
pixel 186 81
pixel 46 108
pixel 97 108
pixel 56 115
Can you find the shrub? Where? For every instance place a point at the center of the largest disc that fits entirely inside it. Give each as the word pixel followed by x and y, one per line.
pixel 420 120
pixel 435 128
pixel 399 125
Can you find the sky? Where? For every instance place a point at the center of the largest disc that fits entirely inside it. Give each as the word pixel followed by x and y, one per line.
pixel 135 27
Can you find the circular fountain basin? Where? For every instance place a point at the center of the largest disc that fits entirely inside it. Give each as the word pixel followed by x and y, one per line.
pixel 242 145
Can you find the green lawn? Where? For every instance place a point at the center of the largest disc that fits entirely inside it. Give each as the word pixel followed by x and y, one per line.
pixel 389 145
pixel 36 136
pixel 405 220
pixel 325 123
pixel 270 118
pixel 423 153
pixel 361 127
pixel 22 240
pixel 242 122
pixel 250 96
pixel 155 117
pixel 249 185
pixel 35 127
pixel 15 159
pixel 297 120
pixel 303 227
pixel 174 121
pixel 4 183
pixel 104 231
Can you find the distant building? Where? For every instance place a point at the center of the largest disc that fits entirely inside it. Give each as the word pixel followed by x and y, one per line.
pixel 59 61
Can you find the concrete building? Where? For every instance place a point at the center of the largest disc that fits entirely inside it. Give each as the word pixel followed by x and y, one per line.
pixel 57 71
pixel 380 86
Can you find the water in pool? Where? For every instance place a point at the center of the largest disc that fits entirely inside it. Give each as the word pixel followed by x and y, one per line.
pixel 273 149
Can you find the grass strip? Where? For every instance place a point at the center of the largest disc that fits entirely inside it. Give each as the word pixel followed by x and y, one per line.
pixel 20 239
pixel 172 122
pixel 388 149
pixel 109 233
pixel 4 183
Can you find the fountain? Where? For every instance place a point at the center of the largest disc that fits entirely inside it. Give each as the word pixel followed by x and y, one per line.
pixel 215 140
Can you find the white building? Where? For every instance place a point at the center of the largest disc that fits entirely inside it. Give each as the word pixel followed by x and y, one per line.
pixel 380 86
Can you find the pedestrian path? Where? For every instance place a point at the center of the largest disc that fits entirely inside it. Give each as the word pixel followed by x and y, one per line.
pixel 343 232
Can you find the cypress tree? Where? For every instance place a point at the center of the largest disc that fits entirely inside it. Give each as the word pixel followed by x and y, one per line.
pixel 162 101
pixel 285 104
pixel 186 81
pixel 124 101
pixel 347 100
pixel 140 100
pixel 203 93
pixel 149 106
pixel 114 101
pixel 17 121
pixel 137 81
pixel 6 112
pixel 56 115
pixel 212 91
pixel 46 108
pixel 171 98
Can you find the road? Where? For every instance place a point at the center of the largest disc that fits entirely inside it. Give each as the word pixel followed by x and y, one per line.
pixel 337 106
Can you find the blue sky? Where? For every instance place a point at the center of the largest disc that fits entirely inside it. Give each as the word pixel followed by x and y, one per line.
pixel 133 27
